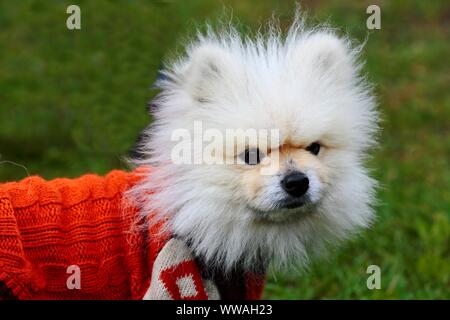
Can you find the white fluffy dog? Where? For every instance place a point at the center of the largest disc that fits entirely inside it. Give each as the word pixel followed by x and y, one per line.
pixel 307 85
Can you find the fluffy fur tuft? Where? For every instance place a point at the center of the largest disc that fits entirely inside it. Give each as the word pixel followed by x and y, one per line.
pixel 307 83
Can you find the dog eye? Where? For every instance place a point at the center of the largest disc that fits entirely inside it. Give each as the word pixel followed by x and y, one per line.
pixel 314 148
pixel 252 156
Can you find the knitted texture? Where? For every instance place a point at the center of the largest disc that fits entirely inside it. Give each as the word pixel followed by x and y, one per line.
pixel 176 276
pixel 48 228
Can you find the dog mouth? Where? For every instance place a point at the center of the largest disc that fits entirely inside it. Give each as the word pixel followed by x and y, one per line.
pixel 289 209
pixel 292 203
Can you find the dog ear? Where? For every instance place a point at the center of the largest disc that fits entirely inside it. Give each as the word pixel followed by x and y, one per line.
pixel 207 70
pixel 332 56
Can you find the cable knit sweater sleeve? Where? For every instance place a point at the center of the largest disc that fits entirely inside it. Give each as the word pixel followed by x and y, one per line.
pixel 48 226
pixel 52 231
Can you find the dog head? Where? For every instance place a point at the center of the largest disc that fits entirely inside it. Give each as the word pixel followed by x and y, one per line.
pixel 259 146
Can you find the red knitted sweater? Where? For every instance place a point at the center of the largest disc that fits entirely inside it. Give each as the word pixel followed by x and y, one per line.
pixel 48 226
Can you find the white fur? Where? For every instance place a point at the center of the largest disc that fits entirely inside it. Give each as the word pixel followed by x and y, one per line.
pixel 308 85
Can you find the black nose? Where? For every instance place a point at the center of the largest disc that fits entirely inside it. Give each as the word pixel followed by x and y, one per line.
pixel 296 184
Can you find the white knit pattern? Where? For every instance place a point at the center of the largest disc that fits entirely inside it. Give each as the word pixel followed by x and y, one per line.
pixel 172 254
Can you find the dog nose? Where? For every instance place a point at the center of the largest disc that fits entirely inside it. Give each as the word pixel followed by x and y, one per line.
pixel 296 184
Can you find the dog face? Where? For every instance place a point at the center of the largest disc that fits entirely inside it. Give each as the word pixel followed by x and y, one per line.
pixel 280 195
pixel 292 190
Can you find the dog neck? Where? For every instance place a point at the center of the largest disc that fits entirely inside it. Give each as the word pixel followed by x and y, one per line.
pixel 231 284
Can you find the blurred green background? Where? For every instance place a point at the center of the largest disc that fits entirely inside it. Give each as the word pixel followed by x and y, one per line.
pixel 73 102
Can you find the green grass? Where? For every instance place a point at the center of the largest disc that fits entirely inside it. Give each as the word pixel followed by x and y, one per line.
pixel 74 101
